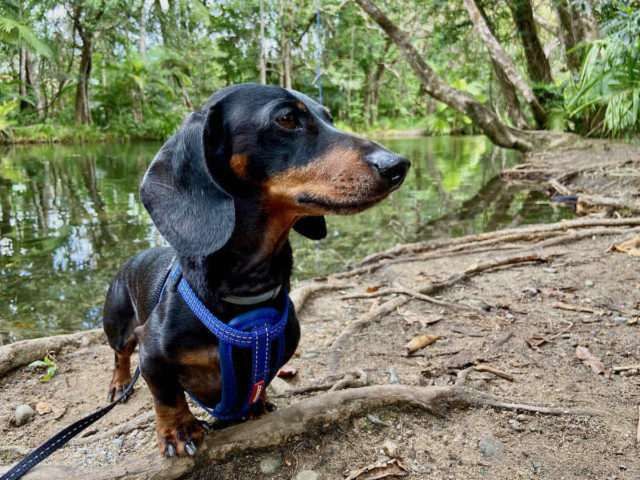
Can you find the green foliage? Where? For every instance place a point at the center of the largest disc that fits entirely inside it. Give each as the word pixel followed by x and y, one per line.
pixel 52 367
pixel 609 83
pixel 154 61
pixel 15 32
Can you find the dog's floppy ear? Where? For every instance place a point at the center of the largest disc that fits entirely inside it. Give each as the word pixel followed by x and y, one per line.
pixel 191 211
pixel 313 227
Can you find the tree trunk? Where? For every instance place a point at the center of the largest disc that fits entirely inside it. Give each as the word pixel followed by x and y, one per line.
pixel 83 113
pixel 498 132
pixel 566 35
pixel 263 62
pixel 368 87
pixel 377 77
pixel 33 82
pixel 514 111
pixel 537 63
pixel 22 87
pixel 142 40
pixel 585 25
pixel 500 56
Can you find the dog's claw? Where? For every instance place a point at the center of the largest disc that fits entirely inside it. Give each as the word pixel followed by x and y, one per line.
pixel 191 448
pixel 110 397
pixel 170 450
pixel 207 428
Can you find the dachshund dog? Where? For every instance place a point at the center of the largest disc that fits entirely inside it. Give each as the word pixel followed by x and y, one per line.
pixel 224 191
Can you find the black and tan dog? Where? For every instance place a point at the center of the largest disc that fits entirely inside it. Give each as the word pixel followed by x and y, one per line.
pixel 224 191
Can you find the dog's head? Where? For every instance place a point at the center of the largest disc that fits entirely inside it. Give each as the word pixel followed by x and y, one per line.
pixel 269 143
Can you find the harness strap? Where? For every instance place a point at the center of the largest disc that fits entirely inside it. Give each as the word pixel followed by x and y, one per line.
pixel 255 330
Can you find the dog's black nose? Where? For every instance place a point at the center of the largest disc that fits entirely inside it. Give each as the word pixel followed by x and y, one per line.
pixel 390 166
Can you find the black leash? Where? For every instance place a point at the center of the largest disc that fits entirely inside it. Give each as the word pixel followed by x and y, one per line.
pixel 54 443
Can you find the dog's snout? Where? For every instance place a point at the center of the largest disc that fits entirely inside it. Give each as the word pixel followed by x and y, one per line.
pixel 390 166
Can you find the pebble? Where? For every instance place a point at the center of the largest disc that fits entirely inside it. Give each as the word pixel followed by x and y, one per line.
pixel 620 319
pixel 393 376
pixel 531 290
pixel 307 475
pixel 270 464
pixel 536 465
pixel 589 283
pixel 118 442
pixel 550 270
pixel 23 414
pixel 309 356
pixel 516 425
pixel 510 316
pixel 390 449
pixel 490 446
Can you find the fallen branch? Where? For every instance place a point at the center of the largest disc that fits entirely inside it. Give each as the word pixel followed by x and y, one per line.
pixel 483 367
pixel 626 368
pixel 24 352
pixel 279 427
pixel 578 308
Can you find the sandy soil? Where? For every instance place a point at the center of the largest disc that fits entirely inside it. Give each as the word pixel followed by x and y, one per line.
pixel 517 305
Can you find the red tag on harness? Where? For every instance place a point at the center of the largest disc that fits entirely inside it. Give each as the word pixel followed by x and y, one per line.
pixel 257 390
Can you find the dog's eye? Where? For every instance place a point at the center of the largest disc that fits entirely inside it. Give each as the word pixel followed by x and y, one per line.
pixel 287 121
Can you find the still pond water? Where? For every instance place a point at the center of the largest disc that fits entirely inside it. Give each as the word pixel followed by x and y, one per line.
pixel 71 217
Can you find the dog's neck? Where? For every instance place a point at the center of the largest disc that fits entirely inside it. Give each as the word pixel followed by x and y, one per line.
pixel 256 258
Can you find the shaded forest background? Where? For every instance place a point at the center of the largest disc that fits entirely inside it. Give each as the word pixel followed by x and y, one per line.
pixel 114 69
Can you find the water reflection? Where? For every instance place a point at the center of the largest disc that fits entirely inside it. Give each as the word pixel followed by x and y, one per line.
pixel 71 216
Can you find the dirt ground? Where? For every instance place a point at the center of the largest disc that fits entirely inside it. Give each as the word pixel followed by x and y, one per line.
pixel 527 320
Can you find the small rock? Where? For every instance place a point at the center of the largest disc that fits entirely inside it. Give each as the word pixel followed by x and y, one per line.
pixel 550 270
pixel 376 421
pixel 307 475
pixel 620 319
pixel 118 442
pixel 510 316
pixel 390 449
pixel 23 414
pixel 536 465
pixel 516 425
pixel 393 376
pixel 270 464
pixel 521 417
pixel 589 283
pixel 531 290
pixel 309 356
pixel 490 446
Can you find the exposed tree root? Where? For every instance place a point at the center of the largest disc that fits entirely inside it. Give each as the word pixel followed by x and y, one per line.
pixel 24 352
pixel 309 415
pixel 417 295
pixel 300 295
pixel 587 203
pixel 339 343
pixel 137 422
pixel 415 252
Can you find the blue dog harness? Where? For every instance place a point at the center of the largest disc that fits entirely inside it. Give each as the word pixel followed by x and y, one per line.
pixel 256 330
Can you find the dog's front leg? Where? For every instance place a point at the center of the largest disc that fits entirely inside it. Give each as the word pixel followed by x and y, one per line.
pixel 178 430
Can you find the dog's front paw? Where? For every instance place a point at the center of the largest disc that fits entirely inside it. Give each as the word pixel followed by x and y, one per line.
pixel 178 430
pixel 119 383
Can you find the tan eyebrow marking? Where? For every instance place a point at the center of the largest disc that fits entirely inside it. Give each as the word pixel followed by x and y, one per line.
pixel 301 106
